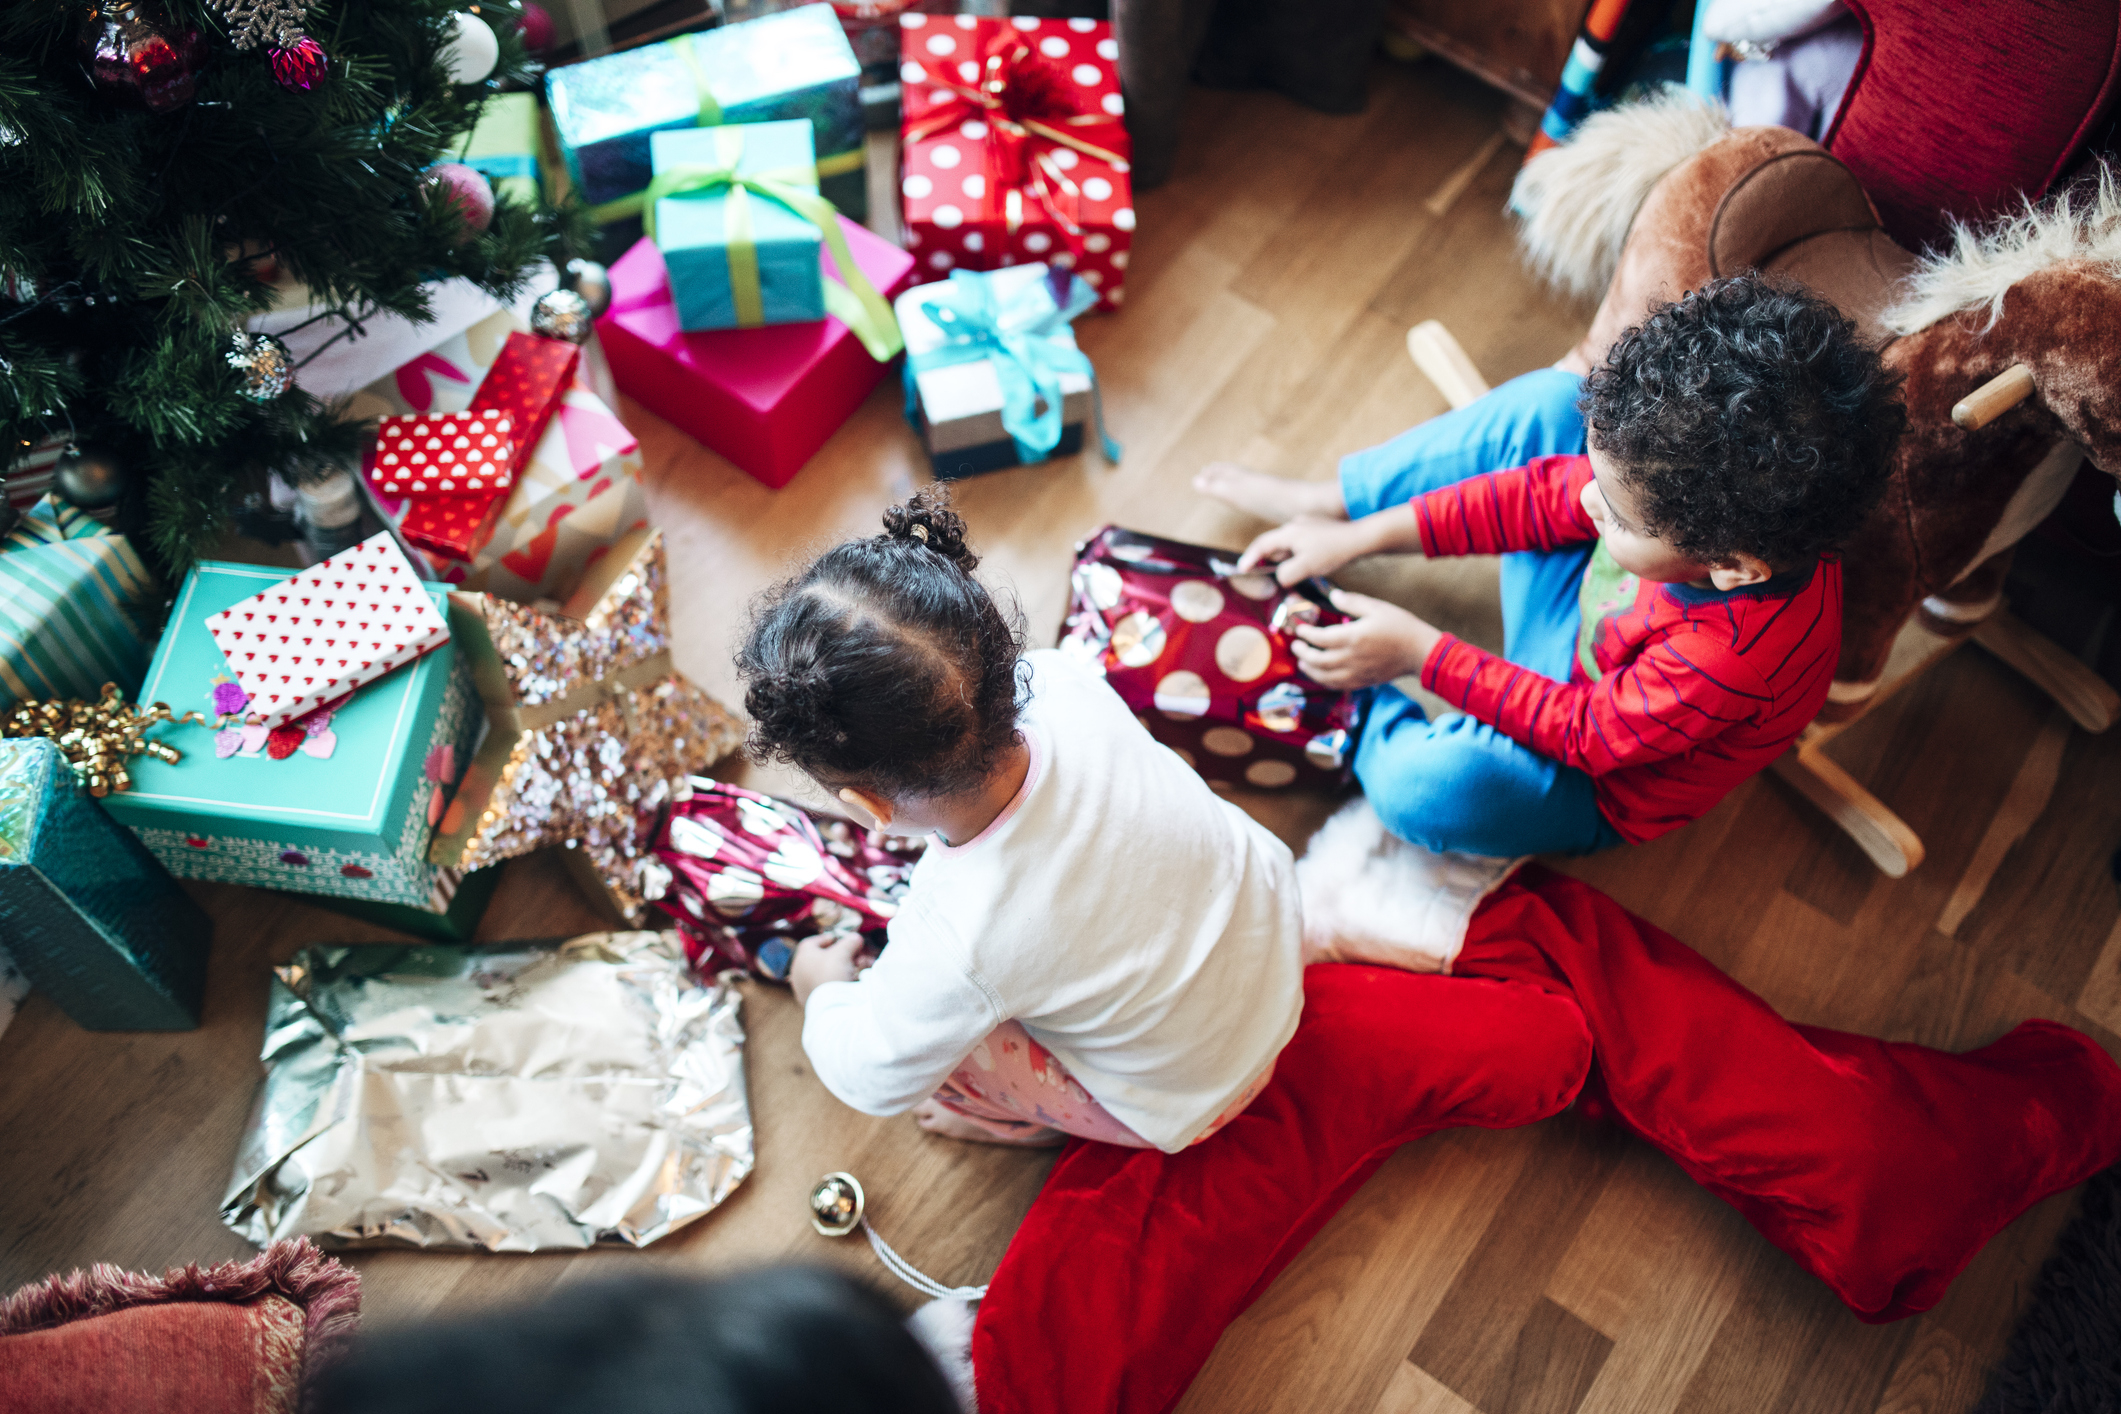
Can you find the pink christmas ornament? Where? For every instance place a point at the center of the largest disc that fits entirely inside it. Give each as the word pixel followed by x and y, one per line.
pixel 467 190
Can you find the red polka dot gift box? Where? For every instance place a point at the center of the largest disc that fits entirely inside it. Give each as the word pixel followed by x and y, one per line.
pixel 1013 149
pixel 445 454
pixel 1201 654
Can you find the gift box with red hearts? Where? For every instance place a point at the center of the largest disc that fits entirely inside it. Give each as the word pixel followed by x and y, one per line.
pixel 748 877
pixel 321 633
pixel 577 490
pixel 1201 654
pixel 1012 147
pixel 445 454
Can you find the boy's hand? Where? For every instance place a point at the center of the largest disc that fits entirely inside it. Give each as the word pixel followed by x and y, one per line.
pixel 1304 548
pixel 824 958
pixel 1379 642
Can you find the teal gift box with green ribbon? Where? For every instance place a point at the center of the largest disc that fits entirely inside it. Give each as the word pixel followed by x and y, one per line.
pixel 794 64
pixel 355 823
pixel 739 253
pixel 75 604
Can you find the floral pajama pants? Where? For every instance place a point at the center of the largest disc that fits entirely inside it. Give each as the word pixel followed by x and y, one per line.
pixel 1019 1092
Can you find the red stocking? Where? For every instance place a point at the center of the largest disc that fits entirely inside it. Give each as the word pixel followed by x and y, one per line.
pixel 1132 1261
pixel 1881 1167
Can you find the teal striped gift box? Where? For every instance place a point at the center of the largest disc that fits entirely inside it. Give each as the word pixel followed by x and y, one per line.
pixel 75 604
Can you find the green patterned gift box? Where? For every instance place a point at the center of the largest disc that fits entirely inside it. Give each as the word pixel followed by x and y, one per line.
pixel 75 603
pixel 794 64
pixel 352 824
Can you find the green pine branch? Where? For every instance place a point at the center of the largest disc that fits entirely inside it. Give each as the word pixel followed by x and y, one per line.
pixel 140 235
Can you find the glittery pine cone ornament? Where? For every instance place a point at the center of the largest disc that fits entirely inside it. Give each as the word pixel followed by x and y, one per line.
pixel 264 366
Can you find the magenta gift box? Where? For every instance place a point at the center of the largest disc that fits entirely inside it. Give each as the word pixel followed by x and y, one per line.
pixel 765 398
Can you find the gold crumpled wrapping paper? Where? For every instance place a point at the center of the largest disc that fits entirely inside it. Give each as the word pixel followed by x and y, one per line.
pixel 518 1098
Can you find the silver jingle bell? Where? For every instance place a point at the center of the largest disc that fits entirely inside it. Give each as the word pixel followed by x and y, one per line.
pixel 836 1204
pixel 265 366
pixel 562 314
pixel 592 282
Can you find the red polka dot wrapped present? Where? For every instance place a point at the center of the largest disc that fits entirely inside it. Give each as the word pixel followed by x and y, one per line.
pixel 1201 653
pixel 1012 148
pixel 445 454
pixel 748 877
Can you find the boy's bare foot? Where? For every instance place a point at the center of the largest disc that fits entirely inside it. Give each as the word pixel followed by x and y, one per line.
pixel 934 1117
pixel 1273 498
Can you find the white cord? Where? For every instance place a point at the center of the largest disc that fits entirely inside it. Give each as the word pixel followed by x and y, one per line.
pixel 906 1272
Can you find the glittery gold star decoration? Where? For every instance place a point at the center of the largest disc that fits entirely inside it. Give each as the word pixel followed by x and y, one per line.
pixel 592 725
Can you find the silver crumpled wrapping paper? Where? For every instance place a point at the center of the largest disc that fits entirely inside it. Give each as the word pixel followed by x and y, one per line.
pixel 518 1098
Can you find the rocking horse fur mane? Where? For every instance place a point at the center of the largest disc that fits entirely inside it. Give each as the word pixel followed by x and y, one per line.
pixel 1576 202
pixel 1980 267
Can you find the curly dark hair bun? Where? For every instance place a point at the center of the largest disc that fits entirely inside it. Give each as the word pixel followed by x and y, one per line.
pixel 926 519
pixel 885 664
pixel 1749 417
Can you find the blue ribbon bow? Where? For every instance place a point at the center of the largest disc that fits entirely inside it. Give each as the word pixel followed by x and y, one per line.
pixel 1019 334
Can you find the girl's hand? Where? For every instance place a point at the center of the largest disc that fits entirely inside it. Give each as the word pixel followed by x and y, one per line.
pixel 1379 642
pixel 823 959
pixel 1304 548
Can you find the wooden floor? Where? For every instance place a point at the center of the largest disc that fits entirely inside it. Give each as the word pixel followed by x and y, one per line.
pixel 1550 1269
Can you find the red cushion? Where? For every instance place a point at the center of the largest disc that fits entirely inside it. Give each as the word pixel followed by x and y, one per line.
pixel 233 1338
pixel 199 1356
pixel 1958 112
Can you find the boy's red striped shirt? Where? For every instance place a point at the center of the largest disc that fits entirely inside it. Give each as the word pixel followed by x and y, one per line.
pixel 1698 688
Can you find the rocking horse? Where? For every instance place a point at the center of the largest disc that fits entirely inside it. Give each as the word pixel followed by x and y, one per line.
pixel 2005 339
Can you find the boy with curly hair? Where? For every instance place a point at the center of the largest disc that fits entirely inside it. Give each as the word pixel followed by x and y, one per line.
pixel 1671 600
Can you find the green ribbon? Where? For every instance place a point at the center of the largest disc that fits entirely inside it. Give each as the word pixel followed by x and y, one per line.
pixel 854 302
pixel 710 110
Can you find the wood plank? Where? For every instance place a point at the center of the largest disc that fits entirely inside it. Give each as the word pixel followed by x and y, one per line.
pixel 1414 1390
pixel 1937 1374
pixel 1471 1342
pixel 1330 1332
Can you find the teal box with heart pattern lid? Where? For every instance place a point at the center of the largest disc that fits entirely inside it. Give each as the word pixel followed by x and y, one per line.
pixel 347 808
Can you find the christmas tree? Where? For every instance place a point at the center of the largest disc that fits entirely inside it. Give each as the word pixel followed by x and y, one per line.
pixel 164 162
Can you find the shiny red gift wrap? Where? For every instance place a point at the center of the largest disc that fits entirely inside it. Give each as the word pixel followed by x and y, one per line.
pixel 747 877
pixel 526 382
pixel 1201 653
pixel 1012 149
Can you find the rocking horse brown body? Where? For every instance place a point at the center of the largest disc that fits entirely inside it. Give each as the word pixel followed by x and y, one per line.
pixel 1771 199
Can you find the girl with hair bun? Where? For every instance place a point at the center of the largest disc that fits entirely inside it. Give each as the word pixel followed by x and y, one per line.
pixel 1094 944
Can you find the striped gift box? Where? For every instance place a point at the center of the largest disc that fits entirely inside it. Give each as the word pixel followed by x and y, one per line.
pixel 75 607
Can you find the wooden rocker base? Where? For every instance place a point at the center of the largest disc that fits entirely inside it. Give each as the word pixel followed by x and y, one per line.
pixel 1864 818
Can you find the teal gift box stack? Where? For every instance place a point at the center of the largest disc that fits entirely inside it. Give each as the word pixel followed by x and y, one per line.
pixel 737 257
pixel 794 64
pixel 86 912
pixel 355 824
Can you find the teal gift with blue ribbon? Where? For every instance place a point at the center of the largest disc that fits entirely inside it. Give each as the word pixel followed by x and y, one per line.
pixel 993 374
pixel 76 607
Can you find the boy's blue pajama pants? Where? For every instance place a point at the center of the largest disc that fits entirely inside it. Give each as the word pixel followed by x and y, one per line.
pixel 1459 784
